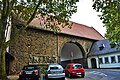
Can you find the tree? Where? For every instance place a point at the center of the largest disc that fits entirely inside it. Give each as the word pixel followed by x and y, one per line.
pixel 110 16
pixel 22 12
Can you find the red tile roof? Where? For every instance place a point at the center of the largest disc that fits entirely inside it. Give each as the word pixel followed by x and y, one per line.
pixel 79 30
pixel 83 31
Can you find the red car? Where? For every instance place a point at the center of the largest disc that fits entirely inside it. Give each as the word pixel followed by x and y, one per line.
pixel 74 69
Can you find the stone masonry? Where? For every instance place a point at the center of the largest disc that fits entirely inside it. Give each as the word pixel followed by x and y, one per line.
pixel 41 47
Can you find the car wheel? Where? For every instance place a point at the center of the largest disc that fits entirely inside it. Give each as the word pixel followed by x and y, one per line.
pixel 37 78
pixel 83 75
pixel 69 75
pixel 63 78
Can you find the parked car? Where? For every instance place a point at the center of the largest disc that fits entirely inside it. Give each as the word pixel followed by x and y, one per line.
pixel 55 71
pixel 74 69
pixel 30 72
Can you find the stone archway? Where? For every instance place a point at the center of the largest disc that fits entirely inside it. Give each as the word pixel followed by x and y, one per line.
pixel 93 63
pixel 72 52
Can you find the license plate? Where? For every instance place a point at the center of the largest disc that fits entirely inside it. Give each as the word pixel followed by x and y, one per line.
pixel 28 72
pixel 78 73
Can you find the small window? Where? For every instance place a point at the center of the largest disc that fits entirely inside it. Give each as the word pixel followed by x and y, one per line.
pixel 100 61
pixel 106 60
pixel 119 58
pixel 113 59
pixel 102 47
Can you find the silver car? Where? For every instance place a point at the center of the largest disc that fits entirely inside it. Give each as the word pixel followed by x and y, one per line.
pixel 55 71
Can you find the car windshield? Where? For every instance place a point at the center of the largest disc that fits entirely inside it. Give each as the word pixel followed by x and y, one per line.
pixel 77 66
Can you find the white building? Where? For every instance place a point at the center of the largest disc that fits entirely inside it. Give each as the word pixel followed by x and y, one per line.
pixel 102 55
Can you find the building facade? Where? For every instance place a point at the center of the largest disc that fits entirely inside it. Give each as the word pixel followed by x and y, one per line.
pixel 102 55
pixel 38 46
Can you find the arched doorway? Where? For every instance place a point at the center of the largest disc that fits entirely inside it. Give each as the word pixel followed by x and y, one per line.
pixel 93 62
pixel 71 52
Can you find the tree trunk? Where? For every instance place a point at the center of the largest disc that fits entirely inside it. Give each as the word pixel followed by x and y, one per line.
pixel 3 47
pixel 2 65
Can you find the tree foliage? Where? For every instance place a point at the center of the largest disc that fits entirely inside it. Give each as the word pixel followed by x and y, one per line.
pixel 22 12
pixel 110 16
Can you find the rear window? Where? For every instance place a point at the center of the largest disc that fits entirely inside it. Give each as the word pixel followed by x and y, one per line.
pixel 54 68
pixel 30 67
pixel 76 66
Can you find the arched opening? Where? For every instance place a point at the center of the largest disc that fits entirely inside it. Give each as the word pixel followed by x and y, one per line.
pixel 71 52
pixel 93 62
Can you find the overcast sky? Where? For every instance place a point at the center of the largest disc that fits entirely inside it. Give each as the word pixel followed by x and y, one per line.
pixel 87 16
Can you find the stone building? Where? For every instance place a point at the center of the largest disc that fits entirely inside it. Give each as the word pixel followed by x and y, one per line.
pixel 38 46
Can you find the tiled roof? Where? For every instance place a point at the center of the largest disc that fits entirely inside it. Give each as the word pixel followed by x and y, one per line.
pixel 79 30
pixel 83 31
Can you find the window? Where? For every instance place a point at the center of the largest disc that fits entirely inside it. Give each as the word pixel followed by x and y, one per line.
pixel 106 60
pixel 102 47
pixel 76 66
pixel 100 61
pixel 68 67
pixel 119 58
pixel 113 59
pixel 54 68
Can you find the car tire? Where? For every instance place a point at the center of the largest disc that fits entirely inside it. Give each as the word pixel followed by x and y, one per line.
pixel 83 75
pixel 63 78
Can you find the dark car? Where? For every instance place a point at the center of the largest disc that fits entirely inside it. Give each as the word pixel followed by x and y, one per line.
pixel 74 69
pixel 30 72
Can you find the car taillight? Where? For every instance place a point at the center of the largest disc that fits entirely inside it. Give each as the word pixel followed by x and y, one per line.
pixel 36 72
pixel 49 72
pixel 21 72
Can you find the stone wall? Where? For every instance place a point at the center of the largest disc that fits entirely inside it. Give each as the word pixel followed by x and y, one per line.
pixel 43 47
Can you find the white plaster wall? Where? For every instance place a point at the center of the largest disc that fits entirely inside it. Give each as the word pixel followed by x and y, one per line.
pixel 89 61
pixel 110 65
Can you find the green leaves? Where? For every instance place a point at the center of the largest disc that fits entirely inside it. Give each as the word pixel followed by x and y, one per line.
pixel 56 11
pixel 110 16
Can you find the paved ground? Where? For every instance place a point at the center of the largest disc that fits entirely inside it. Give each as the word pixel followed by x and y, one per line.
pixel 13 77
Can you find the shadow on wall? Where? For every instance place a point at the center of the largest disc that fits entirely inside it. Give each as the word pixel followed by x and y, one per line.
pixel 8 59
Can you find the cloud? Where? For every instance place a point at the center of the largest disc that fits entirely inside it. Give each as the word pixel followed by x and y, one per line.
pixel 87 16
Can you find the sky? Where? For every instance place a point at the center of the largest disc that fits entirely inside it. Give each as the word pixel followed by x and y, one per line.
pixel 87 16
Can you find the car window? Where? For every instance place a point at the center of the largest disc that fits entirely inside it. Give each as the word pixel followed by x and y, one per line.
pixel 30 67
pixel 68 67
pixel 76 66
pixel 54 68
